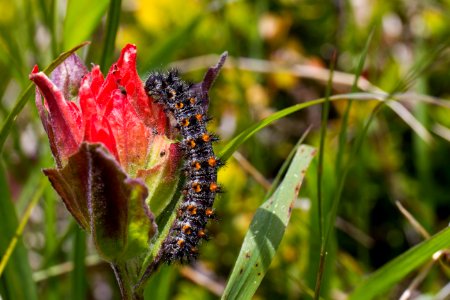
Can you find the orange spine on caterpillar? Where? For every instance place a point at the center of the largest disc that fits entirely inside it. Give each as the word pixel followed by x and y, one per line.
pixel 188 105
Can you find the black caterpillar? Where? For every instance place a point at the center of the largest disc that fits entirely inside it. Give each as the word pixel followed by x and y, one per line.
pixel 188 104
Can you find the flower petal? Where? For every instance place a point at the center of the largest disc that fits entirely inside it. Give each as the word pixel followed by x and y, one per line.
pixel 68 75
pixel 62 119
pixel 131 135
pixel 96 128
pixel 150 113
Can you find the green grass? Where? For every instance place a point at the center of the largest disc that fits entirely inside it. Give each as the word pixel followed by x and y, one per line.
pixel 266 230
pixel 373 149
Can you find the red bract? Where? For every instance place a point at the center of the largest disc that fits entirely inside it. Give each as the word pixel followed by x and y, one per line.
pixel 114 111
pixel 112 148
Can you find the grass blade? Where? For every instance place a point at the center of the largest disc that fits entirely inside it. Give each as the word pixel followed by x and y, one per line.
pixel 82 18
pixel 111 33
pixel 398 268
pixel 12 244
pixel 229 148
pixel 266 231
pixel 346 116
pixel 16 281
pixel 286 164
pixel 320 200
pixel 232 145
pixel 26 94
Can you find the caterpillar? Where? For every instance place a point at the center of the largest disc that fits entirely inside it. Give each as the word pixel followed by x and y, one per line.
pixel 188 105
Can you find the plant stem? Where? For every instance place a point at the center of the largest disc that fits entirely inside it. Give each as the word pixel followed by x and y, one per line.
pixel 125 284
pixel 323 133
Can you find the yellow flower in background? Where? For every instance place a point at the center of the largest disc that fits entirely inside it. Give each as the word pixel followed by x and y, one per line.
pixel 158 17
pixel 8 12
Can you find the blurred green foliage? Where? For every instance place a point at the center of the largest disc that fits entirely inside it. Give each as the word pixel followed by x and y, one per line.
pixel 297 37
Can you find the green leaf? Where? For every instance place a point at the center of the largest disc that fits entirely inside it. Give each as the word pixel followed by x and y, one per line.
pixel 229 148
pixel 164 222
pixel 16 281
pixel 26 94
pixel 266 231
pixel 111 33
pixel 398 268
pixel 82 17
pixel 321 196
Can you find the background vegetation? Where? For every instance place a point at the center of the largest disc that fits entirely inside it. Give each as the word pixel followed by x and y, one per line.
pixel 387 181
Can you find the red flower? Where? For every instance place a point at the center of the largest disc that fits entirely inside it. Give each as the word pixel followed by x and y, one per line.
pixel 112 148
pixel 114 111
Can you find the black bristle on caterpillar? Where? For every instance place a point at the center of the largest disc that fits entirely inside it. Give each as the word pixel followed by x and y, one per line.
pixel 188 105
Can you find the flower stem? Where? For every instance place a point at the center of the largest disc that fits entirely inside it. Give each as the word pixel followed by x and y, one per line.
pixel 125 283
